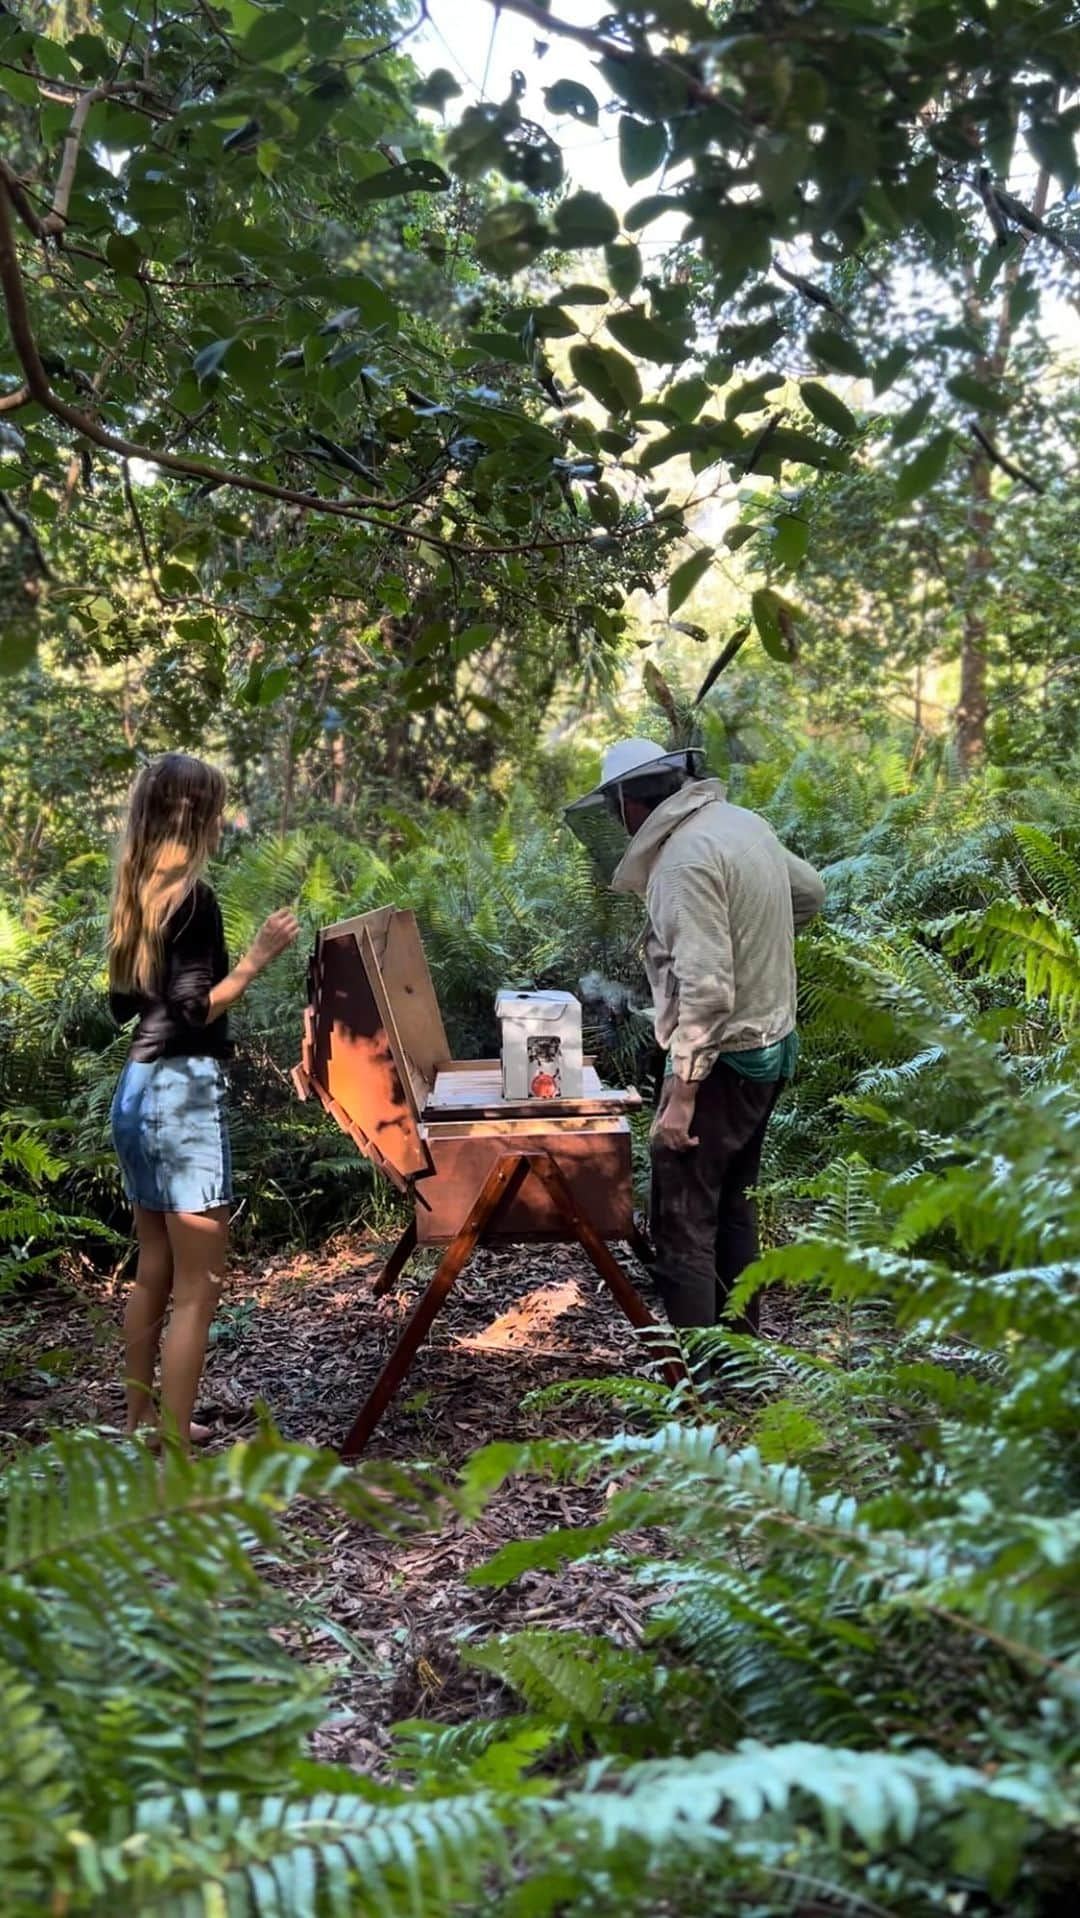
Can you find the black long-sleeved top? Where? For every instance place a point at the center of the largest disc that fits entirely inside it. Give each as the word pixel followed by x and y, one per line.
pixel 172 1021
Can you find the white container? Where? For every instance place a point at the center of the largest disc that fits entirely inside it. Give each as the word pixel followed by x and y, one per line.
pixel 541 1044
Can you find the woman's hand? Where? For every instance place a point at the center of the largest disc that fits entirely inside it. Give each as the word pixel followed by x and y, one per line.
pixel 671 1126
pixel 272 938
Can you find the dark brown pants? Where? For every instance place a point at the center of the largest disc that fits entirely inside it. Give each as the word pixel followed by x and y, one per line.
pixel 703 1223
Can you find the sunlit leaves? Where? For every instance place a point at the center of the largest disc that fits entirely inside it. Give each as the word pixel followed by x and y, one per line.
pixel 685 578
pixel 609 376
pixel 776 623
pixel 645 337
pixel 276 31
pixel 826 407
pixel 415 176
pixel 791 538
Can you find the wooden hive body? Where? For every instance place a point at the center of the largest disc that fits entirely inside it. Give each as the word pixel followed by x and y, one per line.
pixel 375 1053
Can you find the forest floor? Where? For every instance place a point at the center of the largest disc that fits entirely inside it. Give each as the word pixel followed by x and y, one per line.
pixel 301 1335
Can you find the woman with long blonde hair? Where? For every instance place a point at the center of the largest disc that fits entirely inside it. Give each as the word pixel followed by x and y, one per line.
pixel 168 968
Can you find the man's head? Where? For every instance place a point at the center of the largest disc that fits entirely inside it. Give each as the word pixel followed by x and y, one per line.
pixel 637 775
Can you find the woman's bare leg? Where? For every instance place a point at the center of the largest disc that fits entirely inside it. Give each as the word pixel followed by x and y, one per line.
pixel 144 1315
pixel 199 1241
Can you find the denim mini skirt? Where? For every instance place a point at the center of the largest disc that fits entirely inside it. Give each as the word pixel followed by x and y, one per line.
pixel 171 1132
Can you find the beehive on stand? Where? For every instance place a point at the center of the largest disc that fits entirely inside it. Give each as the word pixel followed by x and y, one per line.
pixel 479 1166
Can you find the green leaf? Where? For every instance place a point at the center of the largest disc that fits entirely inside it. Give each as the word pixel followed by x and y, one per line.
pixel 586 220
pixel 836 350
pixel 18 646
pixel 570 97
pixel 775 621
pixel 737 536
pixel 19 86
pixel 750 396
pixel 272 685
pixel 123 253
pixel 439 87
pixel 416 176
pixel 645 337
pixel 624 267
pixel 924 471
pixel 607 375
pixel 890 368
pixel 911 421
pixel 978 393
pixel 642 148
pixel 825 406
pixel 274 32
pixel 685 578
pixel 792 536
pixel 208 359
pixel 510 236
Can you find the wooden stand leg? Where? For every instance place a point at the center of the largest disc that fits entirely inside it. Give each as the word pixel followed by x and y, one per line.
pixel 626 1294
pixel 499 1188
pixel 398 1260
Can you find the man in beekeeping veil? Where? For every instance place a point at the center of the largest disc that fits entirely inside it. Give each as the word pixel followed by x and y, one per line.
pixel 724 901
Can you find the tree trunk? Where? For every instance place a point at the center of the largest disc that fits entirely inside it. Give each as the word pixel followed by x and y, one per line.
pixel 973 708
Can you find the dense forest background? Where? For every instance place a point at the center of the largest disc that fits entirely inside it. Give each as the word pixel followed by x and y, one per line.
pixel 396 405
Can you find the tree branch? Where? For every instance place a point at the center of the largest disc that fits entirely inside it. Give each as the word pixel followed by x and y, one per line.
pixel 1007 466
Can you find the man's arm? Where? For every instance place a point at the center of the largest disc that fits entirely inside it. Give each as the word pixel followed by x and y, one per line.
pixel 807 891
pixel 690 915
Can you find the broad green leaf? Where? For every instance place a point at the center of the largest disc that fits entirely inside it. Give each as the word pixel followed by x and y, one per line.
pixel 570 97
pixel 439 87
pixel 836 350
pixel 608 376
pixel 416 176
pixel 825 406
pixel 644 337
pixel 19 86
pixel 123 253
pixel 585 219
pixel 978 393
pixel 642 147
pixel 624 267
pixel 511 236
pixel 274 32
pixel 737 536
pixel 750 396
pixel 208 359
pixel 775 620
pixel 792 536
pixel 18 646
pixel 911 421
pixel 924 471
pixel 890 368
pixel 272 685
pixel 685 578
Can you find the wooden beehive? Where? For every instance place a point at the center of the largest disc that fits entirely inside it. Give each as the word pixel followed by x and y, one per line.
pixel 375 1052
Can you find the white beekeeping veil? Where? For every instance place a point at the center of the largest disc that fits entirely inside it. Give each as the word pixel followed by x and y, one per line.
pixel 598 819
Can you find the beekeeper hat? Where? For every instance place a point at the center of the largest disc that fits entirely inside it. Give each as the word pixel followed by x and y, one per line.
pixel 598 822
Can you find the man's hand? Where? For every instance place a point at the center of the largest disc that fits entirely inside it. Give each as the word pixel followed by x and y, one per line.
pixel 671 1126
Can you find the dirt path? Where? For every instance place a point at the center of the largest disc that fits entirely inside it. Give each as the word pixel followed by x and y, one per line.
pixel 303 1334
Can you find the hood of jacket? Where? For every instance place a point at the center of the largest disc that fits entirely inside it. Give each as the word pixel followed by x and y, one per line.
pixel 632 873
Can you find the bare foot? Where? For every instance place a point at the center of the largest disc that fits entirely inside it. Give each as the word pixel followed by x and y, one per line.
pixel 150 1433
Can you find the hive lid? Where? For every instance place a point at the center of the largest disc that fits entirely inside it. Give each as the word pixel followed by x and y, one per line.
pixel 374 1037
pixel 537 1007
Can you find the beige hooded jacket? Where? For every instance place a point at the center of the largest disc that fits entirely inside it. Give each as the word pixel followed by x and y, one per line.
pixel 724 900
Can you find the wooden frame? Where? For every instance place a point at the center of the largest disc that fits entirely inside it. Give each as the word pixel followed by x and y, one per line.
pixel 478 1167
pixel 498 1192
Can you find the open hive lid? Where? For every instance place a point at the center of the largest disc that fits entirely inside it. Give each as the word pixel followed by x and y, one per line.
pixel 373 1037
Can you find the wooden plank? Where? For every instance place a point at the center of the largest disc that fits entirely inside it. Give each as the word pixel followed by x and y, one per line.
pixel 595 1163
pixel 471 1091
pixel 411 993
pixel 353 1066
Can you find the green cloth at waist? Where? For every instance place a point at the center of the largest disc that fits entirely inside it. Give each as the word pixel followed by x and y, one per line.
pixel 759 1062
